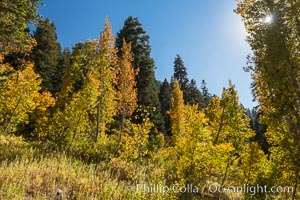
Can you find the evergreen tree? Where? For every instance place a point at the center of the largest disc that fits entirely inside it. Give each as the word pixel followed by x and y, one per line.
pixel 64 65
pixel 47 56
pixel 180 71
pixel 194 95
pixel 180 74
pixel 76 67
pixel 165 102
pixel 260 129
pixel 16 42
pixel 148 89
pixel 206 95
pixel 191 94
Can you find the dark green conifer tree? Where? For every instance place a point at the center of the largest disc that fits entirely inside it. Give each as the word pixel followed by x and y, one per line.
pixel 165 102
pixel 260 129
pixel 206 95
pixel 180 74
pixel 64 64
pixel 47 56
pixel 194 95
pixel 191 94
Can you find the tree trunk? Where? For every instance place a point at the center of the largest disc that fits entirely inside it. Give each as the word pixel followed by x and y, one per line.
pixel 98 120
pixel 296 185
pixel 220 127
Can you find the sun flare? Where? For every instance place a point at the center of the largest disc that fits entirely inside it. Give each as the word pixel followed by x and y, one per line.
pixel 268 19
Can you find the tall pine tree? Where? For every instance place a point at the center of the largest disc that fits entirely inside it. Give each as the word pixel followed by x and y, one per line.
pixel 47 56
pixel 206 95
pixel 194 95
pixel 191 94
pixel 165 102
pixel 180 74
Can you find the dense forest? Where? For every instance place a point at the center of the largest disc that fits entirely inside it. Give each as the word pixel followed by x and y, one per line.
pixel 93 122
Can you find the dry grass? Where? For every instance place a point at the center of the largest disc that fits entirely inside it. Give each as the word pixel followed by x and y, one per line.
pixel 26 173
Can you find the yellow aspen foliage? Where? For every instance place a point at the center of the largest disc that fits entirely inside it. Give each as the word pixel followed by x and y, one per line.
pixel 98 57
pixel 20 96
pixel 83 60
pixel 283 154
pixel 275 71
pixel 73 124
pixel 42 114
pixel 126 85
pixel 192 140
pixel 135 141
pixel 253 160
pixel 106 67
pixel 192 145
pixel 177 111
pixel 228 120
pixel 230 128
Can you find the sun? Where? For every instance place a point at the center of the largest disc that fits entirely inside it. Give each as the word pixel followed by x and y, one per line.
pixel 268 19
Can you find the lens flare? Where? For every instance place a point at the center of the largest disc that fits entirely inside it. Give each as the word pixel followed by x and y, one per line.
pixel 268 19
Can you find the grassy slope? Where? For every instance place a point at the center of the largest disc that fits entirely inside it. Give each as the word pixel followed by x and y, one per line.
pixel 27 173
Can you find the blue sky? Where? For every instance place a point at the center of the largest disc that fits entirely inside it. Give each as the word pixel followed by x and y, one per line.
pixel 207 34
